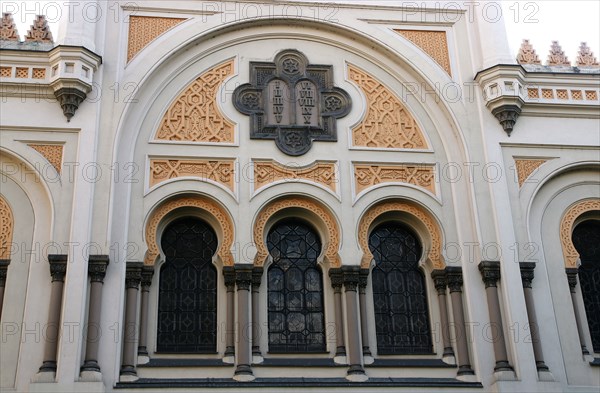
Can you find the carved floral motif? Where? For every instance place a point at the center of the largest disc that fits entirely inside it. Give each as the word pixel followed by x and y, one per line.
pixel 7 227
pixel 8 29
pixel 527 54
pixel 387 123
pixel 566 229
pixel 145 29
pixel 220 171
pixel 195 116
pixel 557 57
pixel 525 167
pixel 585 57
pixel 434 43
pixel 266 172
pixel 369 175
pixel 39 31
pixel 52 153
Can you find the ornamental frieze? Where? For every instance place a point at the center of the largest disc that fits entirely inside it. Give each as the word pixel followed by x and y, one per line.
pixel 220 171
pixel 369 175
pixel 269 171
pixel 292 102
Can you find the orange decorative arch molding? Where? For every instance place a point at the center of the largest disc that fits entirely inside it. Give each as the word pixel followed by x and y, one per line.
pixel 566 229
pixel 333 243
pixel 7 225
pixel 218 212
pixel 435 253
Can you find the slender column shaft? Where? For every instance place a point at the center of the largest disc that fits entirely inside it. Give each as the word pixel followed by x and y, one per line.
pixel 527 277
pixel 58 269
pixel 362 299
pixel 147 274
pixel 229 277
pixel 3 272
pixel 257 273
pixel 440 282
pixel 490 273
pixel 97 265
pixel 572 278
pixel 133 277
pixel 455 281
pixel 335 274
pixel 354 350
pixel 243 279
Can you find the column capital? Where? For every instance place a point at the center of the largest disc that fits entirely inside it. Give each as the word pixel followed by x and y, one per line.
pixel 97 265
pixel 229 277
pixel 337 278
pixel 243 276
pixel 351 276
pixel 3 270
pixel 257 273
pixel 147 274
pixel 490 272
pixel 572 273
pixel 440 281
pixel 363 279
pixel 527 274
pixel 133 274
pixel 454 278
pixel 58 266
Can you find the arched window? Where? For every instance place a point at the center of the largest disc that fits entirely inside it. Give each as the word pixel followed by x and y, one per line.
pixel 586 239
pixel 187 300
pixel 399 292
pixel 295 289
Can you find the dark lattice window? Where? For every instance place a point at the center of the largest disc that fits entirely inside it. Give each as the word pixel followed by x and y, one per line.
pixel 586 239
pixel 399 292
pixel 295 290
pixel 187 300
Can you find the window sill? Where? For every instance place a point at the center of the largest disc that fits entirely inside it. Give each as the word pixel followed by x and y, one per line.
pixel 436 363
pixel 595 362
pixel 184 363
pixel 298 362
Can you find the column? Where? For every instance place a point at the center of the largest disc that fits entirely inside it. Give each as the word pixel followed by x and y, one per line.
pixel 336 277
pixel 229 278
pixel 356 372
pixel 363 280
pixel 133 277
pixel 572 274
pixel 97 265
pixel 58 270
pixel 527 277
pixel 147 274
pixel 3 270
pixel 257 272
pixel 243 280
pixel 440 281
pixel 455 282
pixel 490 273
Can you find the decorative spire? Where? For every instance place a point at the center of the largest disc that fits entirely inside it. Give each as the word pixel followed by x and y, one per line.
pixel 557 56
pixel 585 57
pixel 8 29
pixel 527 54
pixel 40 31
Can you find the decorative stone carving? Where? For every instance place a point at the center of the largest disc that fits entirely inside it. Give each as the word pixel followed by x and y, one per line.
pixel 269 171
pixel 525 167
pixel 220 171
pixel 507 116
pixel 557 57
pixel 332 244
pixel 8 29
pixel 455 280
pixel 69 99
pixel 219 213
pixel 97 265
pixel 6 228
pixel 195 116
pixel 435 252
pixel 585 57
pixel 292 102
pixel 490 272
pixel 566 229
pixel 527 54
pixel 369 175
pixel 3 273
pixel 145 29
pixel 52 153
pixel 351 276
pixel 387 123
pixel 440 281
pixel 527 274
pixel 434 43
pixel 243 276
pixel 337 279
pixel 133 275
pixel 572 274
pixel 39 31
pixel 147 274
pixel 58 266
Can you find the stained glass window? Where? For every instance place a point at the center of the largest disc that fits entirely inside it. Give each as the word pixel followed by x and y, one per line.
pixel 187 300
pixel 399 292
pixel 295 290
pixel 586 239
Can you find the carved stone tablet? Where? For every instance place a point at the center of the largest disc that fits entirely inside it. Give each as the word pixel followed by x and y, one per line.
pixel 292 102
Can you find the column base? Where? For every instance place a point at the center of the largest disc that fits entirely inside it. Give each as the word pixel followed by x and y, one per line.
pixel 48 366
pixel 451 360
pixel 243 373
pixel 356 374
pixel 545 376
pixel 465 369
pixel 44 377
pixel 503 365
pixel 229 359
pixel 257 359
pixel 128 374
pixel 340 359
pixel 143 359
pixel 505 375
pixel 90 365
pixel 368 359
pixel 467 377
pixel 90 376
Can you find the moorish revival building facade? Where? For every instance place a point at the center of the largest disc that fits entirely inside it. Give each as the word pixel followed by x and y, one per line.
pixel 357 196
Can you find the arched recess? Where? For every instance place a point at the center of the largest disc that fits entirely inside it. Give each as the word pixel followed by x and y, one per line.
pixel 434 231
pixel 571 256
pixel 313 209
pixel 225 232
pixel 7 225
